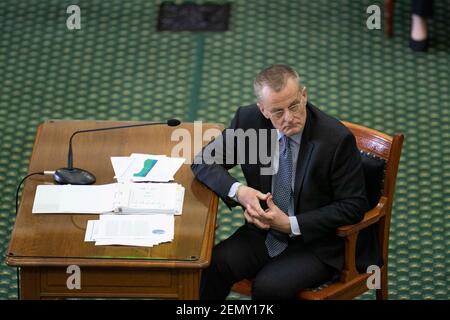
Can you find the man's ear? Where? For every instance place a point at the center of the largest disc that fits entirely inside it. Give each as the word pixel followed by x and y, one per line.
pixel 263 111
pixel 305 93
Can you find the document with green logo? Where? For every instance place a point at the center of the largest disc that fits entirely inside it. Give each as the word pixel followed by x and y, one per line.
pixel 146 168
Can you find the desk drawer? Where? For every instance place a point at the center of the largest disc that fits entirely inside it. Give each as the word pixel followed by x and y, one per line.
pixel 113 282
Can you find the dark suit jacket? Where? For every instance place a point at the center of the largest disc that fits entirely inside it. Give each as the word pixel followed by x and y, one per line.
pixel 329 187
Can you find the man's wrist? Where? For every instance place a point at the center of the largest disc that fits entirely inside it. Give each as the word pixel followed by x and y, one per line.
pixel 294 227
pixel 232 193
pixel 237 192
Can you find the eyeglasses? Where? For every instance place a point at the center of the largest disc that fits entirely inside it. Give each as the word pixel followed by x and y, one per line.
pixel 277 115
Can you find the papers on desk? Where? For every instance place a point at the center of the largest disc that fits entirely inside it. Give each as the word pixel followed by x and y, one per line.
pixel 123 198
pixel 131 230
pixel 145 167
pixel 155 203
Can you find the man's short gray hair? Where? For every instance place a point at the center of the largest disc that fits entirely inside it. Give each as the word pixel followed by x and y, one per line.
pixel 275 77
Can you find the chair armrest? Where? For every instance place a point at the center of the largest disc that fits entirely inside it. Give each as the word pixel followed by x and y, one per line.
pixel 350 235
pixel 370 217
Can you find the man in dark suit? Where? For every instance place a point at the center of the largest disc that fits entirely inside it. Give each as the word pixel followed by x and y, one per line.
pixel 288 242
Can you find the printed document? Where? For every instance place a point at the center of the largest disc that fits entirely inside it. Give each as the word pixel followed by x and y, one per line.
pixel 141 198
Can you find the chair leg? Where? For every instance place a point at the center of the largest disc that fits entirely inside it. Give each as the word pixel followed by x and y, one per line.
pixel 388 17
pixel 382 293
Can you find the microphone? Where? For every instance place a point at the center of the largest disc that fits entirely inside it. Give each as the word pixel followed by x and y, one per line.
pixel 71 175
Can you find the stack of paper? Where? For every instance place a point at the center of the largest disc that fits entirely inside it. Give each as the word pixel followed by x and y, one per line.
pixel 142 198
pixel 131 230
pixel 146 198
pixel 146 167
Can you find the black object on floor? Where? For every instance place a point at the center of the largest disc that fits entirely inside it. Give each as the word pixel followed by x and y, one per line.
pixel 193 17
pixel 418 46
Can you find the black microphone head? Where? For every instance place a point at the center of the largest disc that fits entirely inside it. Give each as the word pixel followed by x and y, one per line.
pixel 173 122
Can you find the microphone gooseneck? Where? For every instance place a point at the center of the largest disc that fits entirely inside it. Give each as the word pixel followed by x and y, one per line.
pixel 71 175
pixel 70 154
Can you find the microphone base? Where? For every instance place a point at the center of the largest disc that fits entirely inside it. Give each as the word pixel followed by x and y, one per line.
pixel 73 176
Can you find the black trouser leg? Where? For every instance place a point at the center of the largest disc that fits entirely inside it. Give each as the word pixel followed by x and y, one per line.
pixel 423 8
pixel 244 255
pixel 294 270
pixel 240 256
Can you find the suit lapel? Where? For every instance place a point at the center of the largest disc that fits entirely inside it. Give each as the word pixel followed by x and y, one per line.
pixel 266 180
pixel 302 165
pixel 304 156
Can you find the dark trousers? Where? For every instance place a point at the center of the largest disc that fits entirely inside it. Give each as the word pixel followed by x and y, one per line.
pixel 423 8
pixel 244 255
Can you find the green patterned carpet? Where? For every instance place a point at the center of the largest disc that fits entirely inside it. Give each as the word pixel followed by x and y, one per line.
pixel 118 67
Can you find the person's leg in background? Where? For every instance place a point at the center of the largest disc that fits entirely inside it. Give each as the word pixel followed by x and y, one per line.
pixel 421 11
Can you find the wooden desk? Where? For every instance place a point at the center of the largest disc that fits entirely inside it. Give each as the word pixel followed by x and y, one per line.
pixel 43 246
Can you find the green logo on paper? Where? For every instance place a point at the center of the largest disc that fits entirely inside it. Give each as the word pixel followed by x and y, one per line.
pixel 148 165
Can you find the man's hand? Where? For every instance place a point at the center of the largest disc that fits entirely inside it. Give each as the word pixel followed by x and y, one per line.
pixel 275 218
pixel 255 221
pixel 249 198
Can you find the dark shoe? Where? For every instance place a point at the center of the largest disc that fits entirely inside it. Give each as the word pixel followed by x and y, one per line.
pixel 418 46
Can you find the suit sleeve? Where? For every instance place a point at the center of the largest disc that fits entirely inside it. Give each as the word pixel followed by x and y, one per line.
pixel 349 198
pixel 211 165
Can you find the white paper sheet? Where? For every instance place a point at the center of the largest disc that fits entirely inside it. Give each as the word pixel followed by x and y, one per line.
pixel 135 226
pixel 133 230
pixel 163 169
pixel 129 198
pixel 74 199
pixel 151 198
pixel 120 165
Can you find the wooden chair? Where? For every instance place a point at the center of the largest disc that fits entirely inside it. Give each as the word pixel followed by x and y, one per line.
pixel 388 17
pixel 380 146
